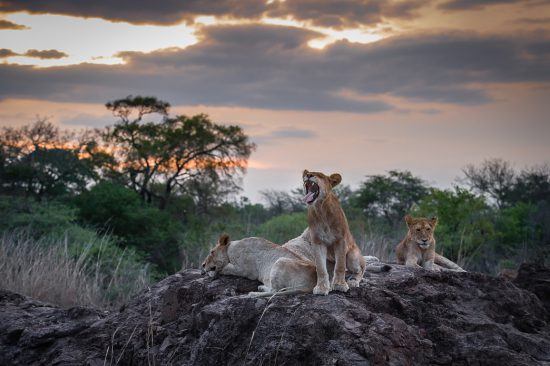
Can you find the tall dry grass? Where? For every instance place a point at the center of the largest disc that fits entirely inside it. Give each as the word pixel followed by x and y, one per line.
pixel 52 272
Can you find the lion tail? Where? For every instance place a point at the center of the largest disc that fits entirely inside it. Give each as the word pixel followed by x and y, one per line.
pixel 374 265
pixel 378 268
pixel 446 263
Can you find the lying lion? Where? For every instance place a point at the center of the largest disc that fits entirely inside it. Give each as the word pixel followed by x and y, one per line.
pixel 279 269
pixel 417 249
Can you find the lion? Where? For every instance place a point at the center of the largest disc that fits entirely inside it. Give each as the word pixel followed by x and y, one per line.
pixel 417 249
pixel 330 235
pixel 279 269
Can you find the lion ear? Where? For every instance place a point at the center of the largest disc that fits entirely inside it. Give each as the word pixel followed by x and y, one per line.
pixel 305 173
pixel 335 179
pixel 409 220
pixel 223 240
pixel 433 221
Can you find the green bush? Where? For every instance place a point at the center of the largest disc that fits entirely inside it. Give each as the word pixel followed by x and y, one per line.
pixel 38 218
pixel 464 224
pixel 282 228
pixel 117 210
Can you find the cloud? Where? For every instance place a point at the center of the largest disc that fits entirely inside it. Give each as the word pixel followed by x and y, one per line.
pixel 4 53
pixel 165 12
pixel 45 54
pixel 345 13
pixel 88 120
pixel 534 21
pixel 7 25
pixel 475 4
pixel 332 13
pixel 285 134
pixel 271 67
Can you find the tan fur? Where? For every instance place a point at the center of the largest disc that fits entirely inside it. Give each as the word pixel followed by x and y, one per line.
pixel 259 259
pixel 417 249
pixel 330 236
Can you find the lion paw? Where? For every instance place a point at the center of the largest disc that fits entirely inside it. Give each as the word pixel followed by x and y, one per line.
pixel 343 287
pixel 352 282
pixel 320 290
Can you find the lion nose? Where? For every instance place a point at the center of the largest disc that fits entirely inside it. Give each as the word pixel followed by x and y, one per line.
pixel 424 240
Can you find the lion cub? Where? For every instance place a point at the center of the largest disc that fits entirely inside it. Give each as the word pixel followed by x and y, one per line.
pixel 330 235
pixel 418 247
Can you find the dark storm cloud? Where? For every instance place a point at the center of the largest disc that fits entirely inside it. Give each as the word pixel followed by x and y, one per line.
pixel 45 54
pixel 272 67
pixel 140 11
pixel 345 13
pixel 330 13
pixel 4 52
pixel 6 24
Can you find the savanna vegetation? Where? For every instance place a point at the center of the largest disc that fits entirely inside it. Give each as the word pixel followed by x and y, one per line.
pixel 94 216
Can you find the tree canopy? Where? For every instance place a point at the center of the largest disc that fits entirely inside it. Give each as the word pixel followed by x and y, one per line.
pixel 172 151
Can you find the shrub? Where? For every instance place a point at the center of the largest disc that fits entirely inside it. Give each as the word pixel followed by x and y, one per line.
pixel 117 210
pixel 284 227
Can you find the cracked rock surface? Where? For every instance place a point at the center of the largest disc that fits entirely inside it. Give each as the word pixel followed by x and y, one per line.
pixel 402 317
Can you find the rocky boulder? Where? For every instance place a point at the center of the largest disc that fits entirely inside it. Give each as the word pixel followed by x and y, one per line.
pixel 402 317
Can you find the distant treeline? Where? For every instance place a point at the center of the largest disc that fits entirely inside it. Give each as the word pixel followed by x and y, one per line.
pixel 161 188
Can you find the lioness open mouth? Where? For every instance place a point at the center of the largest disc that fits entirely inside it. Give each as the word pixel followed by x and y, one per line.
pixel 312 191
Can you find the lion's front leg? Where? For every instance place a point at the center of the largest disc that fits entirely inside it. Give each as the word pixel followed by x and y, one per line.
pixel 231 270
pixel 339 278
pixel 323 283
pixel 412 261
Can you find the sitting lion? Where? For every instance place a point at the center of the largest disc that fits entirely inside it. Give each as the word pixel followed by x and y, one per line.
pixel 276 267
pixel 330 235
pixel 417 249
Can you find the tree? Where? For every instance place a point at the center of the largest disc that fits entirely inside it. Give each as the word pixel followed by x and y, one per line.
pixel 390 196
pixel 41 160
pixel 117 210
pixel 280 202
pixel 209 190
pixel 494 178
pixel 172 151
pixel 464 223
pixel 532 185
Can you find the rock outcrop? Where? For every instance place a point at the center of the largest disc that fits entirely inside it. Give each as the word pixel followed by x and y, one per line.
pixel 402 317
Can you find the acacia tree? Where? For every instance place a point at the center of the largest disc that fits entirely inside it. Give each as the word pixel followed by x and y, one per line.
pixel 172 151
pixel 41 160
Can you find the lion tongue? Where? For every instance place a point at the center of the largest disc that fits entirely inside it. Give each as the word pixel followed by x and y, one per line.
pixel 309 197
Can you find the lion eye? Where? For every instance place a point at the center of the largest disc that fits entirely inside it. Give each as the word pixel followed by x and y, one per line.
pixel 211 252
pixel 428 229
pixel 417 229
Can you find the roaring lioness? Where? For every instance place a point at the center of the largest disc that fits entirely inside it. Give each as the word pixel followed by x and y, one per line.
pixel 259 259
pixel 330 235
pixel 417 249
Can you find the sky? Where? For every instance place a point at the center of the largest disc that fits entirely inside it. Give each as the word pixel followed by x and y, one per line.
pixel 357 87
